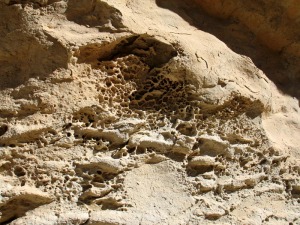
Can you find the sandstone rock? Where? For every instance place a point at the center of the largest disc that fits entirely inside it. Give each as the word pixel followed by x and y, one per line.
pixel 199 161
pixel 98 218
pixel 207 185
pixel 16 202
pixel 213 145
pixel 149 112
pixel 274 188
pixel 241 182
pixel 150 140
pixel 106 165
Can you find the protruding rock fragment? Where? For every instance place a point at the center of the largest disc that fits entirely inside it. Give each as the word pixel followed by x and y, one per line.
pixel 16 202
pixel 247 181
pixel 150 140
pixel 105 165
pixel 202 161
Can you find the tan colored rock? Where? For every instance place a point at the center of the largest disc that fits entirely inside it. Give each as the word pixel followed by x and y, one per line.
pixel 241 182
pixel 150 140
pixel 149 112
pixel 16 202
pixel 207 185
pixel 105 164
pixel 202 161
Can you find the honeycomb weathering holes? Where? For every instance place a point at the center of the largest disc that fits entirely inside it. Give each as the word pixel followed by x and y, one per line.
pixel 3 129
pixel 141 76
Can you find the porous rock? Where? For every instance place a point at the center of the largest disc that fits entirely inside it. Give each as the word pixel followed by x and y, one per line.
pixel 149 112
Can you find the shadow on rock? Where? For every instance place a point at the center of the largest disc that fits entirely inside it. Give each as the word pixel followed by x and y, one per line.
pixel 280 69
pixel 25 50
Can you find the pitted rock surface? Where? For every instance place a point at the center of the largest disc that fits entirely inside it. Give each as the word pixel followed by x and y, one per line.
pixel 130 112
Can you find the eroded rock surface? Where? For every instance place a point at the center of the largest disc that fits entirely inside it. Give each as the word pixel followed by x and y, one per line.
pixel 122 112
pixel 270 29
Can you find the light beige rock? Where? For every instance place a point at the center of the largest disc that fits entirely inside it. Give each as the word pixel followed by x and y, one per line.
pixel 149 112
pixel 15 202
pixel 150 140
pixel 202 161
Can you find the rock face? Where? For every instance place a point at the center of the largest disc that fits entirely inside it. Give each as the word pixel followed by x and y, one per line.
pixel 270 28
pixel 132 112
